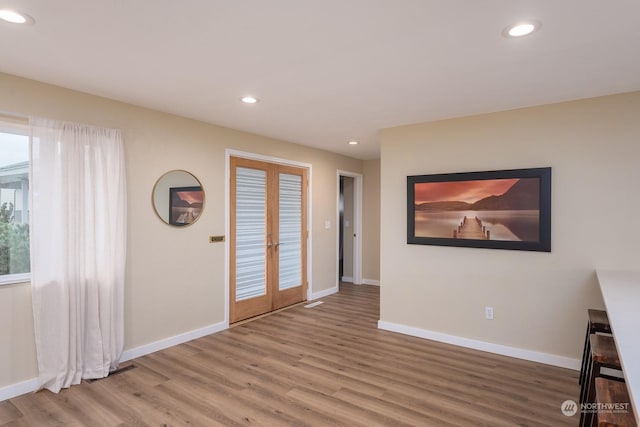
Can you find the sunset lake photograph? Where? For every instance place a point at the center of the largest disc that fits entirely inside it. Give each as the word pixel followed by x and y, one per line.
pixel 488 209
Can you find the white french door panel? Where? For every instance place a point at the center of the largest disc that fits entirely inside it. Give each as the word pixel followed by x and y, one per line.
pixel 251 225
pixel 290 228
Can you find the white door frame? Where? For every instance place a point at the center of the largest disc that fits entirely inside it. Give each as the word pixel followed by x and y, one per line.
pixel 357 226
pixel 227 218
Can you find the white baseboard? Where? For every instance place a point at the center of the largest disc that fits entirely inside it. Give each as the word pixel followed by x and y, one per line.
pixel 518 353
pixel 321 294
pixel 31 385
pixel 349 279
pixel 13 390
pixel 171 341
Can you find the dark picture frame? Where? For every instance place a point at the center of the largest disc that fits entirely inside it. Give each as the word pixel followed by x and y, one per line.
pixel 505 209
pixel 185 205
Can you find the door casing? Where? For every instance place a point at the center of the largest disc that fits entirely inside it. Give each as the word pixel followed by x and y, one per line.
pixel 252 156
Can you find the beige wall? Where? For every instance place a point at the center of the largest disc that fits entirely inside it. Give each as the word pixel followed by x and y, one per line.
pixel 17 346
pixel 175 278
pixel 540 299
pixel 371 222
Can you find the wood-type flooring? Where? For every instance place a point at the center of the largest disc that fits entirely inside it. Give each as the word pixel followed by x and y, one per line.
pixel 323 366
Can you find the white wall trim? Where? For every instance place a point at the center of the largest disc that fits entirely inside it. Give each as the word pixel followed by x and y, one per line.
pixel 29 386
pixel 261 157
pixel 18 389
pixel 229 152
pixel 518 353
pixel 371 282
pixel 171 341
pixel 322 294
pixel 347 279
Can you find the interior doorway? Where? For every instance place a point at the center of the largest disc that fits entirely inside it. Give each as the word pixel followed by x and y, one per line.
pixel 349 227
pixel 346 206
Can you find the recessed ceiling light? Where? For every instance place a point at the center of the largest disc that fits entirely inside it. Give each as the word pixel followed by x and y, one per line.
pixel 15 17
pixel 521 29
pixel 249 100
pixel 353 142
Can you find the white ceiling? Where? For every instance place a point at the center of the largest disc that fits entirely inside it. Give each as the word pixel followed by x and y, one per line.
pixel 327 71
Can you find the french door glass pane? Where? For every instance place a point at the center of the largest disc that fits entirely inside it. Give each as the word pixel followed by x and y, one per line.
pixel 290 220
pixel 251 224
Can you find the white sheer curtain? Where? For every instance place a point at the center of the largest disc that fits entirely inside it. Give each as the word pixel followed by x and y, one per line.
pixel 78 243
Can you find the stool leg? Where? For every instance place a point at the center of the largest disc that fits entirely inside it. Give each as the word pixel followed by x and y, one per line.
pixel 585 380
pixel 585 391
pixel 585 354
pixel 592 417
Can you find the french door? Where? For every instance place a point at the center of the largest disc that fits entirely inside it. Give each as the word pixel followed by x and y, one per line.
pixel 268 239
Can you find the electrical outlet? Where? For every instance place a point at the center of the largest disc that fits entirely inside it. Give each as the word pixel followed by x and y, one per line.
pixel 488 313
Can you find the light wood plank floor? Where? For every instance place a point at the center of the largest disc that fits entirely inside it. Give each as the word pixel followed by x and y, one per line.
pixel 322 366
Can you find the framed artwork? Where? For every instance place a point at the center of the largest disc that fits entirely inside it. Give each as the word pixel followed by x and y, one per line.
pixel 185 204
pixel 507 209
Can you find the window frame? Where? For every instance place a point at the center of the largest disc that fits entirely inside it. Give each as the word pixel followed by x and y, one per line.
pixel 16 127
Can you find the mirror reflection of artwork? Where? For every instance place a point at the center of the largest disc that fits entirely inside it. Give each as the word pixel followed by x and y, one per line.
pixel 189 204
pixel 185 204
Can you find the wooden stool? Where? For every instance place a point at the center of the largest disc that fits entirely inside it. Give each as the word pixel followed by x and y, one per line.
pixel 615 394
pixel 602 354
pixel 597 322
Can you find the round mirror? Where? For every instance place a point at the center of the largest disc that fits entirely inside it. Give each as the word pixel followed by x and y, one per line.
pixel 178 198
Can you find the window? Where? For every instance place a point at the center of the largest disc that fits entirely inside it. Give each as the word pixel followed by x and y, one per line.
pixel 14 203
